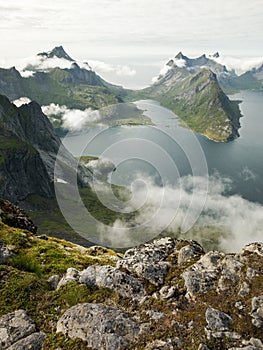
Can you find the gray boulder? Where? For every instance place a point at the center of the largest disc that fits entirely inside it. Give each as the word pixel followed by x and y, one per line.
pixel 148 260
pixel 16 329
pixel 257 311
pixel 190 252
pixel 114 279
pixel 217 320
pixel 32 342
pixel 72 275
pixel 202 276
pixel 5 252
pixel 102 327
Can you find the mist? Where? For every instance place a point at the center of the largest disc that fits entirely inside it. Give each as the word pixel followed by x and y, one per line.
pixel 187 211
pixel 72 119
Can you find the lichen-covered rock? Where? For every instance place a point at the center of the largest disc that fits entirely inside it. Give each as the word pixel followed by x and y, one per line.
pixel 32 342
pixel 252 344
pixel 114 279
pixel 254 248
pixel 169 344
pixel 72 275
pixel 148 260
pixel 201 276
pixel 217 320
pixel 167 292
pixel 102 327
pixel 14 327
pixel 190 252
pixel 5 252
pixel 257 311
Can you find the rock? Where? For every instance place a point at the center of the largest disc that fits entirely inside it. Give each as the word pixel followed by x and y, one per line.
pixel 257 311
pixel 14 327
pixel 189 253
pixel 255 248
pixel 5 252
pixel 167 292
pixel 72 275
pixel 32 342
pixel 168 344
pixel 202 347
pixel 230 272
pixel 202 276
pixel 53 281
pixel 217 320
pixel 252 344
pixel 244 289
pixel 114 279
pixel 102 327
pixel 13 216
pixel 148 260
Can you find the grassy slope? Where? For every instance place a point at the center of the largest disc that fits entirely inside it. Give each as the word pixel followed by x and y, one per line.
pixel 23 285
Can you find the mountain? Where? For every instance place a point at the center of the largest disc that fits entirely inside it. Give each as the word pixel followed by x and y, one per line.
pixel 193 92
pixel 28 153
pixel 46 82
pixel 57 52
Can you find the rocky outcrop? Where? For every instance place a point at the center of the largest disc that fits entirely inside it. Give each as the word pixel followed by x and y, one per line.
pixel 106 277
pixel 101 327
pixel 18 332
pixel 199 301
pixel 14 216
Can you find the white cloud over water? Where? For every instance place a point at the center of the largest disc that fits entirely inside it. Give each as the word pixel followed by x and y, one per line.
pixel 72 119
pixel 168 208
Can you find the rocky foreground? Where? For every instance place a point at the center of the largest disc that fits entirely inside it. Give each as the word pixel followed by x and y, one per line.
pixel 166 294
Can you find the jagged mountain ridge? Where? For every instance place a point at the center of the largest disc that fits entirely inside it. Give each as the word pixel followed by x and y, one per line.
pixel 28 153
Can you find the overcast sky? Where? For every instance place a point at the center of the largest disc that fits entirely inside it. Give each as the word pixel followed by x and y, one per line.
pixel 131 30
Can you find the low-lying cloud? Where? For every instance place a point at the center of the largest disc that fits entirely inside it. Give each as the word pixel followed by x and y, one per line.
pixel 21 101
pixel 72 119
pixel 234 218
pixel 239 64
pixel 120 70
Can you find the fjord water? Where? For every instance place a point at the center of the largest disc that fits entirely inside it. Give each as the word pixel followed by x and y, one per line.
pixel 140 151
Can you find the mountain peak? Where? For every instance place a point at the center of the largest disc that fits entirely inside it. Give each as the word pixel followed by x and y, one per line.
pixel 58 52
pixel 180 56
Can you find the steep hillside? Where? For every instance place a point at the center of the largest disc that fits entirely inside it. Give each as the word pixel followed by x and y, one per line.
pixel 28 153
pixel 198 100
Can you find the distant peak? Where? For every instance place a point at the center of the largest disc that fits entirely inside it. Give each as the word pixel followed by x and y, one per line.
pixel 58 52
pixel 216 55
pixel 180 56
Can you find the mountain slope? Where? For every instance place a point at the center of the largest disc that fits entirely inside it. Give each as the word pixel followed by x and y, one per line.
pixel 28 153
pixel 198 100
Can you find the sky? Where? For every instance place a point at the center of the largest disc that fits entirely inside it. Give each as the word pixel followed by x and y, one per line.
pixel 143 34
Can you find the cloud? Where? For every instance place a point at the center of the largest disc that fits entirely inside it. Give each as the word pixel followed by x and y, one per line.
pixel 72 119
pixel 165 69
pixel 101 168
pixel 167 209
pixel 21 101
pixel 240 65
pixel 120 70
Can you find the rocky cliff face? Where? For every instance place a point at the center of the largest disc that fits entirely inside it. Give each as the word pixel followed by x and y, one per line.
pixel 28 153
pixel 166 294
